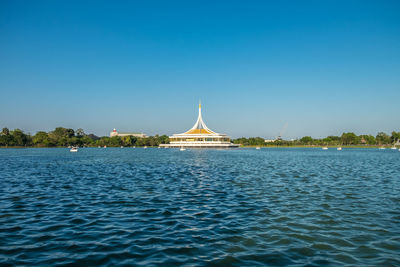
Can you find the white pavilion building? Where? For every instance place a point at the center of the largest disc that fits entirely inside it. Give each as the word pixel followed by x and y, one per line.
pixel 199 136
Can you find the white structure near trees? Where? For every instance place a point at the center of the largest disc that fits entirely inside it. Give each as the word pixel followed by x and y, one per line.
pixel 200 136
pixel 115 133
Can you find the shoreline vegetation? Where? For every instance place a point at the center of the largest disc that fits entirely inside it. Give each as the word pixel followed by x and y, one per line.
pixel 64 137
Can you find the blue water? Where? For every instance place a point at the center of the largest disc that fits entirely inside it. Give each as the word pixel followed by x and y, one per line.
pixel 242 207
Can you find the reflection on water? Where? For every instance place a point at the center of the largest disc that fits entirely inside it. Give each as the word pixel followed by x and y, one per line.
pixel 199 207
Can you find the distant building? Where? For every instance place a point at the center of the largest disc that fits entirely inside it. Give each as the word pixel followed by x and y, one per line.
pixel 199 136
pixel 269 140
pixel 115 133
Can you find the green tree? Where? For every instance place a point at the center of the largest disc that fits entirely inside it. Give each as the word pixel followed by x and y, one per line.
pixel 61 136
pixel 86 140
pixel 74 141
pixel 103 141
pixel 5 138
pixel 163 139
pixel 350 139
pixel 60 132
pixel 256 141
pixel 63 141
pixel 367 139
pixel 115 141
pixel 42 139
pixel 93 137
pixel 307 140
pixel 19 138
pixel 141 142
pixel 334 138
pixel 243 141
pixel 128 140
pixel 79 132
pixel 382 138
pixel 395 137
pixel 5 131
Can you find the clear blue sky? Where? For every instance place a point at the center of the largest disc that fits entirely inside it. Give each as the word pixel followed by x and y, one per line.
pixel 323 67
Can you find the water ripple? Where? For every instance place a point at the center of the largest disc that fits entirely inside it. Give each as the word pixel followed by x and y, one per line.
pixel 163 207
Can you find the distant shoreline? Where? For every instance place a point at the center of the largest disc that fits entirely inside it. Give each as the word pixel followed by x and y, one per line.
pixel 269 146
pixel 64 137
pixel 320 146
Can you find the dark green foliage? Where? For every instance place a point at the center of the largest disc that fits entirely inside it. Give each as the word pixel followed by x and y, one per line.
pixel 42 139
pixel 5 131
pixel 395 137
pixel 345 139
pixel 132 141
pixel 307 140
pixel 350 139
pixel 252 141
pixel 80 132
pixel 383 138
pixel 68 137
pixel 14 138
pixel 368 139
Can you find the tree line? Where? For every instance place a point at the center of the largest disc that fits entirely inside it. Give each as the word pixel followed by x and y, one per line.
pixel 62 137
pixel 345 139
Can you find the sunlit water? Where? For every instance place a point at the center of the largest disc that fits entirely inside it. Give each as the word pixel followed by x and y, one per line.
pixel 242 207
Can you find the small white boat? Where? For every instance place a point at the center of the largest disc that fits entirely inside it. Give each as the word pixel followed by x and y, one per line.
pixel 381 147
pixel 145 147
pixel 393 148
pixel 122 147
pixel 98 147
pixel 133 147
pixel 258 147
pixel 324 148
pixel 182 149
pixel 73 149
pixel 105 146
pixel 339 148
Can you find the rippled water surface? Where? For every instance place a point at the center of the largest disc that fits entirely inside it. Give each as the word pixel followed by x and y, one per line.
pixel 242 207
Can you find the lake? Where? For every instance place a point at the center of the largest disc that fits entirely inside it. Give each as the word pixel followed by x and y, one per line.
pixel 165 207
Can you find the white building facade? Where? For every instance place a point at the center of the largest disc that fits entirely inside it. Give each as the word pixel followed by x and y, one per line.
pixel 115 133
pixel 200 136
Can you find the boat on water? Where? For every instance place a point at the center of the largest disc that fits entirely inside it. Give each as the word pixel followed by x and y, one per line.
pixel 393 147
pixel 258 147
pixel 339 148
pixel 74 149
pixel 182 149
pixel 324 148
pixel 382 147
pixel 122 147
pixel 105 146
pixel 145 147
